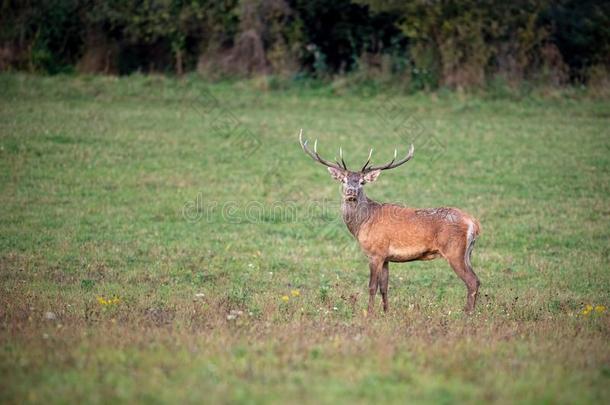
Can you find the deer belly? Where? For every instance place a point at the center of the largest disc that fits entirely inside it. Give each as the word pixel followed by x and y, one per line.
pixel 410 253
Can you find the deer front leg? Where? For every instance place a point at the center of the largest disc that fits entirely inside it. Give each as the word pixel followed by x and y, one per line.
pixel 383 284
pixel 375 265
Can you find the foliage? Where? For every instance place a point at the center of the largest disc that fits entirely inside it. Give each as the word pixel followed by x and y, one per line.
pixel 424 43
pixel 582 32
pixel 173 24
pixel 45 35
pixel 462 43
pixel 339 32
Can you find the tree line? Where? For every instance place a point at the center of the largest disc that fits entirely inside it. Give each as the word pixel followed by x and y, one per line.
pixel 425 43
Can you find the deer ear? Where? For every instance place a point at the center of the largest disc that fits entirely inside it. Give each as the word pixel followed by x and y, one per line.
pixel 371 176
pixel 336 174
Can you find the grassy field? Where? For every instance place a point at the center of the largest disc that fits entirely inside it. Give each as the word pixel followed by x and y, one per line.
pixel 165 241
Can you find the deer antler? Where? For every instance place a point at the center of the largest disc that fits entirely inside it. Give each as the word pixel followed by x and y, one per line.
pixel 315 156
pixel 393 163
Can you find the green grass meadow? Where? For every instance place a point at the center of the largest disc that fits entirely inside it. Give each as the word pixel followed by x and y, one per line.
pixel 167 241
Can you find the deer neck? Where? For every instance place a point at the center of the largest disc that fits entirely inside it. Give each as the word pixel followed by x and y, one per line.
pixel 356 213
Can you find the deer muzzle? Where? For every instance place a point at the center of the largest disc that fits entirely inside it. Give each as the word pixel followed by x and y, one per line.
pixel 350 194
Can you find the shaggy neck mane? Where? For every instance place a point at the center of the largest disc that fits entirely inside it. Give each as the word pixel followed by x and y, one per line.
pixel 356 213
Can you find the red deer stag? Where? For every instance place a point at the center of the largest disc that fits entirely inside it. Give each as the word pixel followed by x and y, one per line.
pixel 392 233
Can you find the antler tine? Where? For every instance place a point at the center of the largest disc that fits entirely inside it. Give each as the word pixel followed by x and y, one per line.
pixel 368 160
pixel 393 163
pixel 341 157
pixel 314 155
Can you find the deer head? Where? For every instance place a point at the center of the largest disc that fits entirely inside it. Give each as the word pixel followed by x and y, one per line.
pixel 353 181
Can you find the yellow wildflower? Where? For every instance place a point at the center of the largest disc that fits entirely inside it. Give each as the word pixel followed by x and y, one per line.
pixel 109 301
pixel 285 298
pixel 295 293
pixel 600 308
pixel 587 310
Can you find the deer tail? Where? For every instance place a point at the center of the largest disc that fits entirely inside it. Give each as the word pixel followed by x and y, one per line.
pixel 474 229
pixel 477 227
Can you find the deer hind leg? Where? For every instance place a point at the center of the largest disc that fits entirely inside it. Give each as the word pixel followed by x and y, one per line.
pixel 375 265
pixel 383 284
pixel 460 262
pixel 471 280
